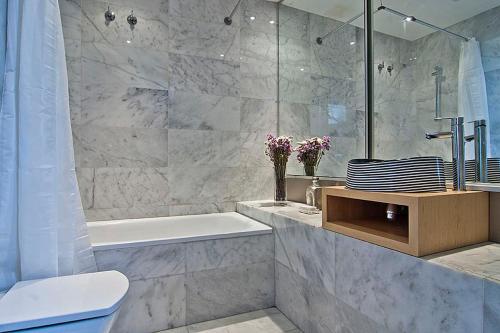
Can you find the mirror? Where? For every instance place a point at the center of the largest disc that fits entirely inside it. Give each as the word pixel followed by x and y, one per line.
pixel 424 75
pixel 421 73
pixel 321 82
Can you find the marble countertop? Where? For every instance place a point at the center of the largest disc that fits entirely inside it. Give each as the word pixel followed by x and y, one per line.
pixel 482 260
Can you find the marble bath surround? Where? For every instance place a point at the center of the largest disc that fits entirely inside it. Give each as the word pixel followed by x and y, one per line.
pixel 328 282
pixel 179 283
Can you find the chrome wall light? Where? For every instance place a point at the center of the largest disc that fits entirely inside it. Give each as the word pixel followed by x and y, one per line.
pixel 109 16
pixel 132 19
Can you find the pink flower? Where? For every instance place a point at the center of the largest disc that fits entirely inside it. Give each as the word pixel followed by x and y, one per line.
pixel 278 147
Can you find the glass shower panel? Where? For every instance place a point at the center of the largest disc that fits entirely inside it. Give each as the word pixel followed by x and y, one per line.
pixel 321 79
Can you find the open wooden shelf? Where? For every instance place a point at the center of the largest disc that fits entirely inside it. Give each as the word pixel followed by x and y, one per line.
pixel 428 223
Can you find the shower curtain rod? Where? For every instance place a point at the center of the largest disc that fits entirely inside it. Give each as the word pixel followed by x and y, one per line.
pixel 319 40
pixel 410 18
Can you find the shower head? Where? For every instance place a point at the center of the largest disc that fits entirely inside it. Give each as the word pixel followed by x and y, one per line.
pixel 228 20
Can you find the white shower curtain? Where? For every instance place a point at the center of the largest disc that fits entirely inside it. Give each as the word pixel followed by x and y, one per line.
pixel 42 226
pixel 472 98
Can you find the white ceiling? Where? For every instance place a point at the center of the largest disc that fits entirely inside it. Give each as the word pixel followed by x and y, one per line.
pixel 442 13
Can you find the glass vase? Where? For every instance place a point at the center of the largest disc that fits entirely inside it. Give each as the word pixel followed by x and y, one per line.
pixel 280 180
pixel 309 169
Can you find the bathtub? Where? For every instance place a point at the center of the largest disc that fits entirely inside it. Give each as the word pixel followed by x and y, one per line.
pixel 105 235
pixel 187 269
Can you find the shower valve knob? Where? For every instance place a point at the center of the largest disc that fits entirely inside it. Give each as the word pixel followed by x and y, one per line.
pixel 109 16
pixel 132 19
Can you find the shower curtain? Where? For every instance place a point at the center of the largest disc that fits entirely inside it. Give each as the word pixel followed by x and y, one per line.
pixel 42 226
pixel 472 98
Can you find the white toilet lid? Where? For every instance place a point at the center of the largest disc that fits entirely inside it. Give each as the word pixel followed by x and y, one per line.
pixel 62 299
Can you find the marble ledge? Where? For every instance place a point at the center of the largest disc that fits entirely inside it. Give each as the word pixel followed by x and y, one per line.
pixel 480 260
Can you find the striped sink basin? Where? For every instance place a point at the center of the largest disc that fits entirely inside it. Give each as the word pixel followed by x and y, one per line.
pixel 416 174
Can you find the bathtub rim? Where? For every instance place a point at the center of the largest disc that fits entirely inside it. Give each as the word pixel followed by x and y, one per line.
pixel 265 230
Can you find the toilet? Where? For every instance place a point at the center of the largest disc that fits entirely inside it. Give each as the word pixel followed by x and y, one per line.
pixel 85 303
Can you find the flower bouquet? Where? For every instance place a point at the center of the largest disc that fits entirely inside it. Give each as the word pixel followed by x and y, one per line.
pixel 310 151
pixel 279 149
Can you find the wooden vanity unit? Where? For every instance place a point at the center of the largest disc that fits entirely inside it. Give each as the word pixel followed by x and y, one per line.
pixel 427 223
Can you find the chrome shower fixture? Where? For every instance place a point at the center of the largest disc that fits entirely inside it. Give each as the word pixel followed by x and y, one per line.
pixel 109 16
pixel 228 20
pixel 390 68
pixel 380 67
pixel 132 19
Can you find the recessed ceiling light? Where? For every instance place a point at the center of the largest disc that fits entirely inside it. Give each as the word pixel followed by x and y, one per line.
pixel 302 69
pixel 252 18
pixel 222 56
pixel 129 41
pixel 272 22
pixel 352 43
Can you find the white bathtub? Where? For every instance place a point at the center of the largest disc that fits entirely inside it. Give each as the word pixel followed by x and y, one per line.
pixel 105 235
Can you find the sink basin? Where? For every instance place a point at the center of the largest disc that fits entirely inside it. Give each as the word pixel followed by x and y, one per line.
pixel 416 174
pixel 493 170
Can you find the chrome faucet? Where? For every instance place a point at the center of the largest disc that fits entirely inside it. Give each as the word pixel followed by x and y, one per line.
pixel 458 150
pixel 480 149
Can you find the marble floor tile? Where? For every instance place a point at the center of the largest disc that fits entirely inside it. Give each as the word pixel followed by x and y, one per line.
pixel 270 320
pixel 227 291
pixel 491 306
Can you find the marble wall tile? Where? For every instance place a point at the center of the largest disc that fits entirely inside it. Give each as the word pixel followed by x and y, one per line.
pixel 400 291
pixel 132 107
pixel 207 208
pixel 199 38
pixel 134 212
pixel 253 149
pixel 294 23
pixel 264 12
pixel 149 32
pixel 144 262
pixel 204 112
pixel 259 81
pixel 256 182
pixel 153 305
pixel 210 11
pixel 120 147
pixel 85 177
pixel 105 67
pixel 292 297
pixel 228 252
pixel 203 148
pixel 258 115
pixel 491 306
pixel 206 76
pixel 199 185
pixel 295 120
pixel 71 17
pixel 309 252
pixel 130 187
pixel 295 52
pixel 224 292
pixel 295 86
pixel 258 46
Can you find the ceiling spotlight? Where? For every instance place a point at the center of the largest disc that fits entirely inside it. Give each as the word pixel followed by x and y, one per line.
pixel 252 18
pixel 352 43
pixel 272 22
pixel 129 41
pixel 302 69
pixel 410 19
pixel 222 56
